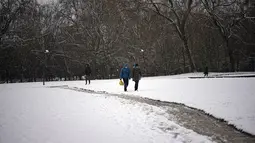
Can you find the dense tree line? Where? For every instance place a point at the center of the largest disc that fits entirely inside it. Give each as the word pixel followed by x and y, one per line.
pixel 56 40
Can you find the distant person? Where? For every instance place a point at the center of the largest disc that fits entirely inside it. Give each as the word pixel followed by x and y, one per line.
pixel 206 72
pixel 136 75
pixel 87 73
pixel 125 75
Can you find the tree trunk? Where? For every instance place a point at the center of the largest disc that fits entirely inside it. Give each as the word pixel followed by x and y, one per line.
pixel 218 58
pixel 238 62
pixel 21 77
pixel 232 62
pixel 231 57
pixel 188 52
pixel 184 60
pixel 6 76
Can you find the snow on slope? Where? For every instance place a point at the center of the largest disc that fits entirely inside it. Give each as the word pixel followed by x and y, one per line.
pixel 30 113
pixel 231 99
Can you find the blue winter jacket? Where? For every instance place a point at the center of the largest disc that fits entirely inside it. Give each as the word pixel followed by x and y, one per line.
pixel 125 72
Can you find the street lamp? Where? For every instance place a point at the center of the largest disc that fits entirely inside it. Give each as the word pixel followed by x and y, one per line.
pixel 45 52
pixel 143 55
pixel 143 59
pixel 45 60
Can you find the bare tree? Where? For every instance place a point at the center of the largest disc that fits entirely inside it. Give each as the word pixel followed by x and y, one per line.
pixel 9 9
pixel 227 17
pixel 177 13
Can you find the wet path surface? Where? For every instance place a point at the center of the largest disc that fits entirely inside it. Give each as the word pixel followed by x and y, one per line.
pixel 189 118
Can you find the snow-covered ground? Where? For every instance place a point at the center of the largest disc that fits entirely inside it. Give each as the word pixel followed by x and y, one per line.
pixel 214 74
pixel 31 113
pixel 231 99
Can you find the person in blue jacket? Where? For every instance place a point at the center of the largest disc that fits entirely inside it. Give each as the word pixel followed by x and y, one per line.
pixel 125 75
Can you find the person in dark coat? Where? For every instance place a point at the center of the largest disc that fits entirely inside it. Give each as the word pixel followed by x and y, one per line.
pixel 87 73
pixel 125 75
pixel 206 72
pixel 136 75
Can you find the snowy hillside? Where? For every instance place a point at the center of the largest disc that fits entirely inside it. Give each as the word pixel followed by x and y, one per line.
pixel 35 114
pixel 30 112
pixel 231 99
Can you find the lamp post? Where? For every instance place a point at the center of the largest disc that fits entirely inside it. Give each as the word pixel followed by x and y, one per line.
pixel 45 60
pixel 143 55
pixel 142 51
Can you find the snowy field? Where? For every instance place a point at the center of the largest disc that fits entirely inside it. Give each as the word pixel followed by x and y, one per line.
pixel 231 99
pixel 31 113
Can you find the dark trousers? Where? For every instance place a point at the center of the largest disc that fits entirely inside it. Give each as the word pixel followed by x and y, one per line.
pixel 125 83
pixel 87 78
pixel 136 85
